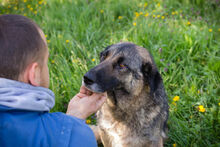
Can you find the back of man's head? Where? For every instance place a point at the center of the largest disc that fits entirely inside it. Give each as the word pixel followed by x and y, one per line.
pixel 21 43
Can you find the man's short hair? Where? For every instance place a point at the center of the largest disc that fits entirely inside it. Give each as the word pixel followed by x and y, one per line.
pixel 20 44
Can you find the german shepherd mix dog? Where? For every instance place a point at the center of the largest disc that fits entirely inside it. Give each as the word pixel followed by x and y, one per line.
pixel 136 111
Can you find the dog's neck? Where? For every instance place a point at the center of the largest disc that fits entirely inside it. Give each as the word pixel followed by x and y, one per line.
pixel 137 108
pixel 127 104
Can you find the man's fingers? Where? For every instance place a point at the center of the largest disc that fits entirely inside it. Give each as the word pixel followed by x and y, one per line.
pixel 84 90
pixel 92 96
pixel 81 95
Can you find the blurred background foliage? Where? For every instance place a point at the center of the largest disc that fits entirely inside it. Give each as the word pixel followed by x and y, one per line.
pixel 182 35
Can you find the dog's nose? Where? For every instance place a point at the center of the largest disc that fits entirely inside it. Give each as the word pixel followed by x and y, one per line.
pixel 88 79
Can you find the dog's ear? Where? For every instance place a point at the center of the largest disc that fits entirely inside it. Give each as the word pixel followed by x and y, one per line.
pixel 104 53
pixel 151 76
pixel 107 47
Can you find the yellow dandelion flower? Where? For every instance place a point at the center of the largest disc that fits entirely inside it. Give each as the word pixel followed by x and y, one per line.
pixel 163 17
pixel 15 8
pixel 188 23
pixel 158 16
pixel 52 61
pixel 120 17
pixel 137 14
pixel 88 121
pixel 174 145
pixel 145 4
pixel 40 2
pixel 176 98
pixel 25 14
pixel 154 16
pixel 141 13
pixel 67 41
pixel 219 29
pixel 93 60
pixel 158 4
pixel 201 108
pixel 210 30
pixel 146 14
pixel 25 1
pixel 219 104
pixel 101 11
pixel 31 9
pixel 48 41
pixel 45 36
pixel 191 116
pixel 35 12
pixel 173 13
pixel 198 91
pixel 134 24
pixel 154 11
pixel 28 6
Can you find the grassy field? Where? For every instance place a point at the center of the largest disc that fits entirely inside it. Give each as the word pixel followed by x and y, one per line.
pixel 182 35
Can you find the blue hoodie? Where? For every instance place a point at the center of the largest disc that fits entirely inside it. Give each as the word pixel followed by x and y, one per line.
pixel 22 127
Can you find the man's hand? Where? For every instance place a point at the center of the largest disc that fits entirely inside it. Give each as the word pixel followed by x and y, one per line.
pixel 85 103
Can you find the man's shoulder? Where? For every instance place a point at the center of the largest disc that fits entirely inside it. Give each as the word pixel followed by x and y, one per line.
pixel 42 128
pixel 79 132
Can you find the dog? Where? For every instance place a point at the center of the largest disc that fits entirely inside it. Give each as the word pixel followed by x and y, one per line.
pixel 136 111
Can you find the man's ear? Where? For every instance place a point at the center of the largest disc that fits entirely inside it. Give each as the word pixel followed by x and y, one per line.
pixel 151 76
pixel 32 74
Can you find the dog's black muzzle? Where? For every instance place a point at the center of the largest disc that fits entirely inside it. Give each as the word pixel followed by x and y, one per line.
pixel 100 79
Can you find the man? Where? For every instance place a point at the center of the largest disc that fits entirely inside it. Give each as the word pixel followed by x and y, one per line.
pixel 25 99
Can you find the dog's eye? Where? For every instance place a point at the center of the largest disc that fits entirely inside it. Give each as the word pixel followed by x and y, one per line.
pixel 122 67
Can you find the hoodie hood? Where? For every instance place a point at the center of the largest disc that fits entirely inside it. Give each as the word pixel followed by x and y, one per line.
pixel 19 95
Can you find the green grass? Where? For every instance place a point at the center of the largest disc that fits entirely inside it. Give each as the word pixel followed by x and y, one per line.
pixel 189 61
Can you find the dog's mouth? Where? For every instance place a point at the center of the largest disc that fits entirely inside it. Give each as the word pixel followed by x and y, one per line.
pixel 98 89
pixel 113 94
pixel 122 89
pixel 94 87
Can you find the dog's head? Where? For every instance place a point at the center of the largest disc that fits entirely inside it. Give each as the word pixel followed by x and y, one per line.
pixel 124 69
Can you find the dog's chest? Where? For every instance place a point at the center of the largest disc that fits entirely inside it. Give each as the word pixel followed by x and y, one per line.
pixel 118 133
